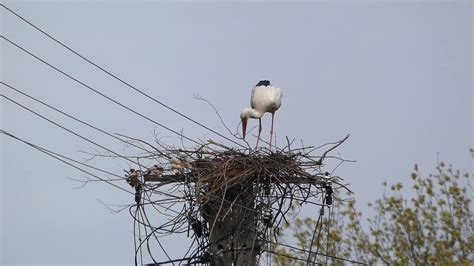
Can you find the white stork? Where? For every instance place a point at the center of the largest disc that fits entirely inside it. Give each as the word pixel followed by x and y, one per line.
pixel 265 98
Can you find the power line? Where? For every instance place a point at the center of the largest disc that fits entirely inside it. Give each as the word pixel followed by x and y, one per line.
pixel 117 78
pixel 324 255
pixel 96 91
pixel 300 249
pixel 63 159
pixel 303 250
pixel 60 155
pixel 74 118
pixel 68 130
pixel 320 220
pixel 328 234
pixel 286 255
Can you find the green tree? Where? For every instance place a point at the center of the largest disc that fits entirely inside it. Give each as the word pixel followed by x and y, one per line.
pixel 433 226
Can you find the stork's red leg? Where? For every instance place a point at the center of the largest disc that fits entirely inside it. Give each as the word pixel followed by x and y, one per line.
pixel 259 131
pixel 271 131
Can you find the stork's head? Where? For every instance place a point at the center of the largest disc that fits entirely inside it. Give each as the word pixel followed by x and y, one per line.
pixel 244 118
pixel 263 83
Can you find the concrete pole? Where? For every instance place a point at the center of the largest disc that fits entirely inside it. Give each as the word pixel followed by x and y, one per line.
pixel 233 237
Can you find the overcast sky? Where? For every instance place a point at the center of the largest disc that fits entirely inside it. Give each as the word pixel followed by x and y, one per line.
pixel 397 76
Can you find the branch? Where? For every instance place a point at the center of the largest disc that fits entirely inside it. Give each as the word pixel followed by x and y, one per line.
pixel 335 146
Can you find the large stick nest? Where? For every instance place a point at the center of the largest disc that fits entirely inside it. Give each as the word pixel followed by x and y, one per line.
pixel 245 189
pixel 227 170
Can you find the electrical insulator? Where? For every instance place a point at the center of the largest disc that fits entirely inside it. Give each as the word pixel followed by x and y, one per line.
pixel 267 218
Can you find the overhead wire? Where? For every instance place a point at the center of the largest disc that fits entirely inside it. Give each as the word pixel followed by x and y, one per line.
pixel 328 234
pixel 307 251
pixel 72 117
pixel 96 91
pixel 318 225
pixel 63 159
pixel 284 255
pixel 68 130
pixel 117 78
pixel 321 254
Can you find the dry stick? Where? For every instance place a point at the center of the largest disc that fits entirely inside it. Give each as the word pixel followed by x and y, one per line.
pixel 146 143
pixel 210 141
pixel 335 146
pixel 198 97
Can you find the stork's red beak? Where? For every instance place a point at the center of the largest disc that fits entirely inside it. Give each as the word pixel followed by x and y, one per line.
pixel 244 127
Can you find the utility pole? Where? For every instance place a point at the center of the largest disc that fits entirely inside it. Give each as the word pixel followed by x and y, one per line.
pixel 233 229
pixel 233 224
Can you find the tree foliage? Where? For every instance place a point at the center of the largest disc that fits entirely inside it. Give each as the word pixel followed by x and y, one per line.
pixel 429 223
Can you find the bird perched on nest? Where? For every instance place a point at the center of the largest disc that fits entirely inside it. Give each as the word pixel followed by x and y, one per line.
pixel 133 177
pixel 179 164
pixel 265 99
pixel 155 170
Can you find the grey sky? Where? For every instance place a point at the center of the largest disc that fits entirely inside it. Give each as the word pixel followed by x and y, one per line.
pixel 397 76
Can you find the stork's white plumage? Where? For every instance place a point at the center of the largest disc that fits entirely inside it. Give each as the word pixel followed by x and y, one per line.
pixel 265 98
